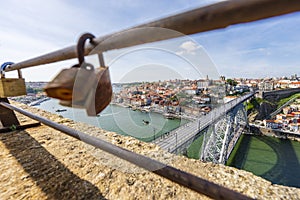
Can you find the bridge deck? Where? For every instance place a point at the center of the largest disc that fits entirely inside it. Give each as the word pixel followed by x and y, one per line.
pixel 178 137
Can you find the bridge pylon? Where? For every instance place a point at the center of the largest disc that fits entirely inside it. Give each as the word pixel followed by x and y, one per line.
pixel 223 134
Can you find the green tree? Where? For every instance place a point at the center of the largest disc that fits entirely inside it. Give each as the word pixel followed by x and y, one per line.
pixel 231 82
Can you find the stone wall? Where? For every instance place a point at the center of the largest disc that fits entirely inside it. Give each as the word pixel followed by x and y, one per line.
pixel 276 95
pixel 273 133
pixel 42 163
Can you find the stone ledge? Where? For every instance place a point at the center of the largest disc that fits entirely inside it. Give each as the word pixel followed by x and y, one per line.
pixel 42 163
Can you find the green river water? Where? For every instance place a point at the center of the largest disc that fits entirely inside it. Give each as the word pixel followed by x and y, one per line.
pixel 120 120
pixel 276 160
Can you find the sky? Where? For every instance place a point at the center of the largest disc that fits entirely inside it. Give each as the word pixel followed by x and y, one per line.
pixel 29 28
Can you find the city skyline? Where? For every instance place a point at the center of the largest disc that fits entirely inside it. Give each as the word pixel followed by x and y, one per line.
pixel 266 48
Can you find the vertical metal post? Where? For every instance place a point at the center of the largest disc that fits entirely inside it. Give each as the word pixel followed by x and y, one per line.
pixel 101 60
pixel 7 116
pixel 19 73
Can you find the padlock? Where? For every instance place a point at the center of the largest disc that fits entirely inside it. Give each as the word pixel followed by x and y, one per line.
pixel 82 86
pixel 98 96
pixel 80 79
pixel 11 87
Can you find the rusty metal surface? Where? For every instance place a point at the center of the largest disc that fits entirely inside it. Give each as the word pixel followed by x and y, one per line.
pixel 82 85
pixel 80 46
pixel 183 178
pixel 219 15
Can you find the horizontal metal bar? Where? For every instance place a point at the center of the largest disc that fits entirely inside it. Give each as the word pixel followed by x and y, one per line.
pixel 219 15
pixel 183 178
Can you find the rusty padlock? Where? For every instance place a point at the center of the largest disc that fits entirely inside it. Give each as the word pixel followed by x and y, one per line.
pixel 100 97
pixel 80 79
pixel 82 86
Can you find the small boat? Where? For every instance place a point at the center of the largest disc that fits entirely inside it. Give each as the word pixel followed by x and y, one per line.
pixel 146 122
pixel 61 110
pixel 169 116
pixel 144 110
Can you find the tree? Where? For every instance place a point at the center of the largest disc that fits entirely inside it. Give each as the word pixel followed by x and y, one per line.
pixel 231 82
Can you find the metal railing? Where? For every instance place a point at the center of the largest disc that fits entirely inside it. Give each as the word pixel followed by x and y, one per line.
pixel 219 15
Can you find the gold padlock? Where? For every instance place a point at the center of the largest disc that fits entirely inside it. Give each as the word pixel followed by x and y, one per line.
pixel 11 87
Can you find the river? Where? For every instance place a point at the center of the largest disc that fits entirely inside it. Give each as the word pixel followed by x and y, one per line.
pixel 120 120
pixel 273 159
pixel 276 160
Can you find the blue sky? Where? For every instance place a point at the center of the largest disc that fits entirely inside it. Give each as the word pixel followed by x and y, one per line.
pixel 261 49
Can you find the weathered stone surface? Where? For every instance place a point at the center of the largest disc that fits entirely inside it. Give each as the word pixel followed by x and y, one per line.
pixel 42 163
pixel 264 110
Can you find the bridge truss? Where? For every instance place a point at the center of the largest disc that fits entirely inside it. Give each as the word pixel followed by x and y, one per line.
pixel 223 134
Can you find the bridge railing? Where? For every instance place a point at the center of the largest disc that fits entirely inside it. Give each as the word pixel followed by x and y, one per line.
pixel 188 131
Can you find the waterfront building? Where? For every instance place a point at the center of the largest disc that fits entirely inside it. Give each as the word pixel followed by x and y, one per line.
pixel 295 127
pixel 273 124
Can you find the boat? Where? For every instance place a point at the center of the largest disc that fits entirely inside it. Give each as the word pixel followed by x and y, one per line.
pixel 145 110
pixel 169 116
pixel 60 110
pixel 146 122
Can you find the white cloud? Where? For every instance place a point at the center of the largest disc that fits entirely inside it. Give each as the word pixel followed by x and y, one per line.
pixel 188 47
pixel 31 28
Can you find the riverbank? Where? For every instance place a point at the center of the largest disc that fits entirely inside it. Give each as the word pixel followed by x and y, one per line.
pixel 156 110
pixel 42 163
pixel 281 134
pixel 39 101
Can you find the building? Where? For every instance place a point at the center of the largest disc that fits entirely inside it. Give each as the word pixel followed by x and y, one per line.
pixel 273 124
pixel 294 84
pixel 266 86
pixel 203 84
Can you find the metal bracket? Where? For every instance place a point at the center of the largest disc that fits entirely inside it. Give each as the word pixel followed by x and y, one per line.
pixel 9 120
pixel 7 116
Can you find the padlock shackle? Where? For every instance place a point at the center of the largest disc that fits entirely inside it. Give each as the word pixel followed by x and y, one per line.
pixel 80 46
pixel 20 73
pixel 2 68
